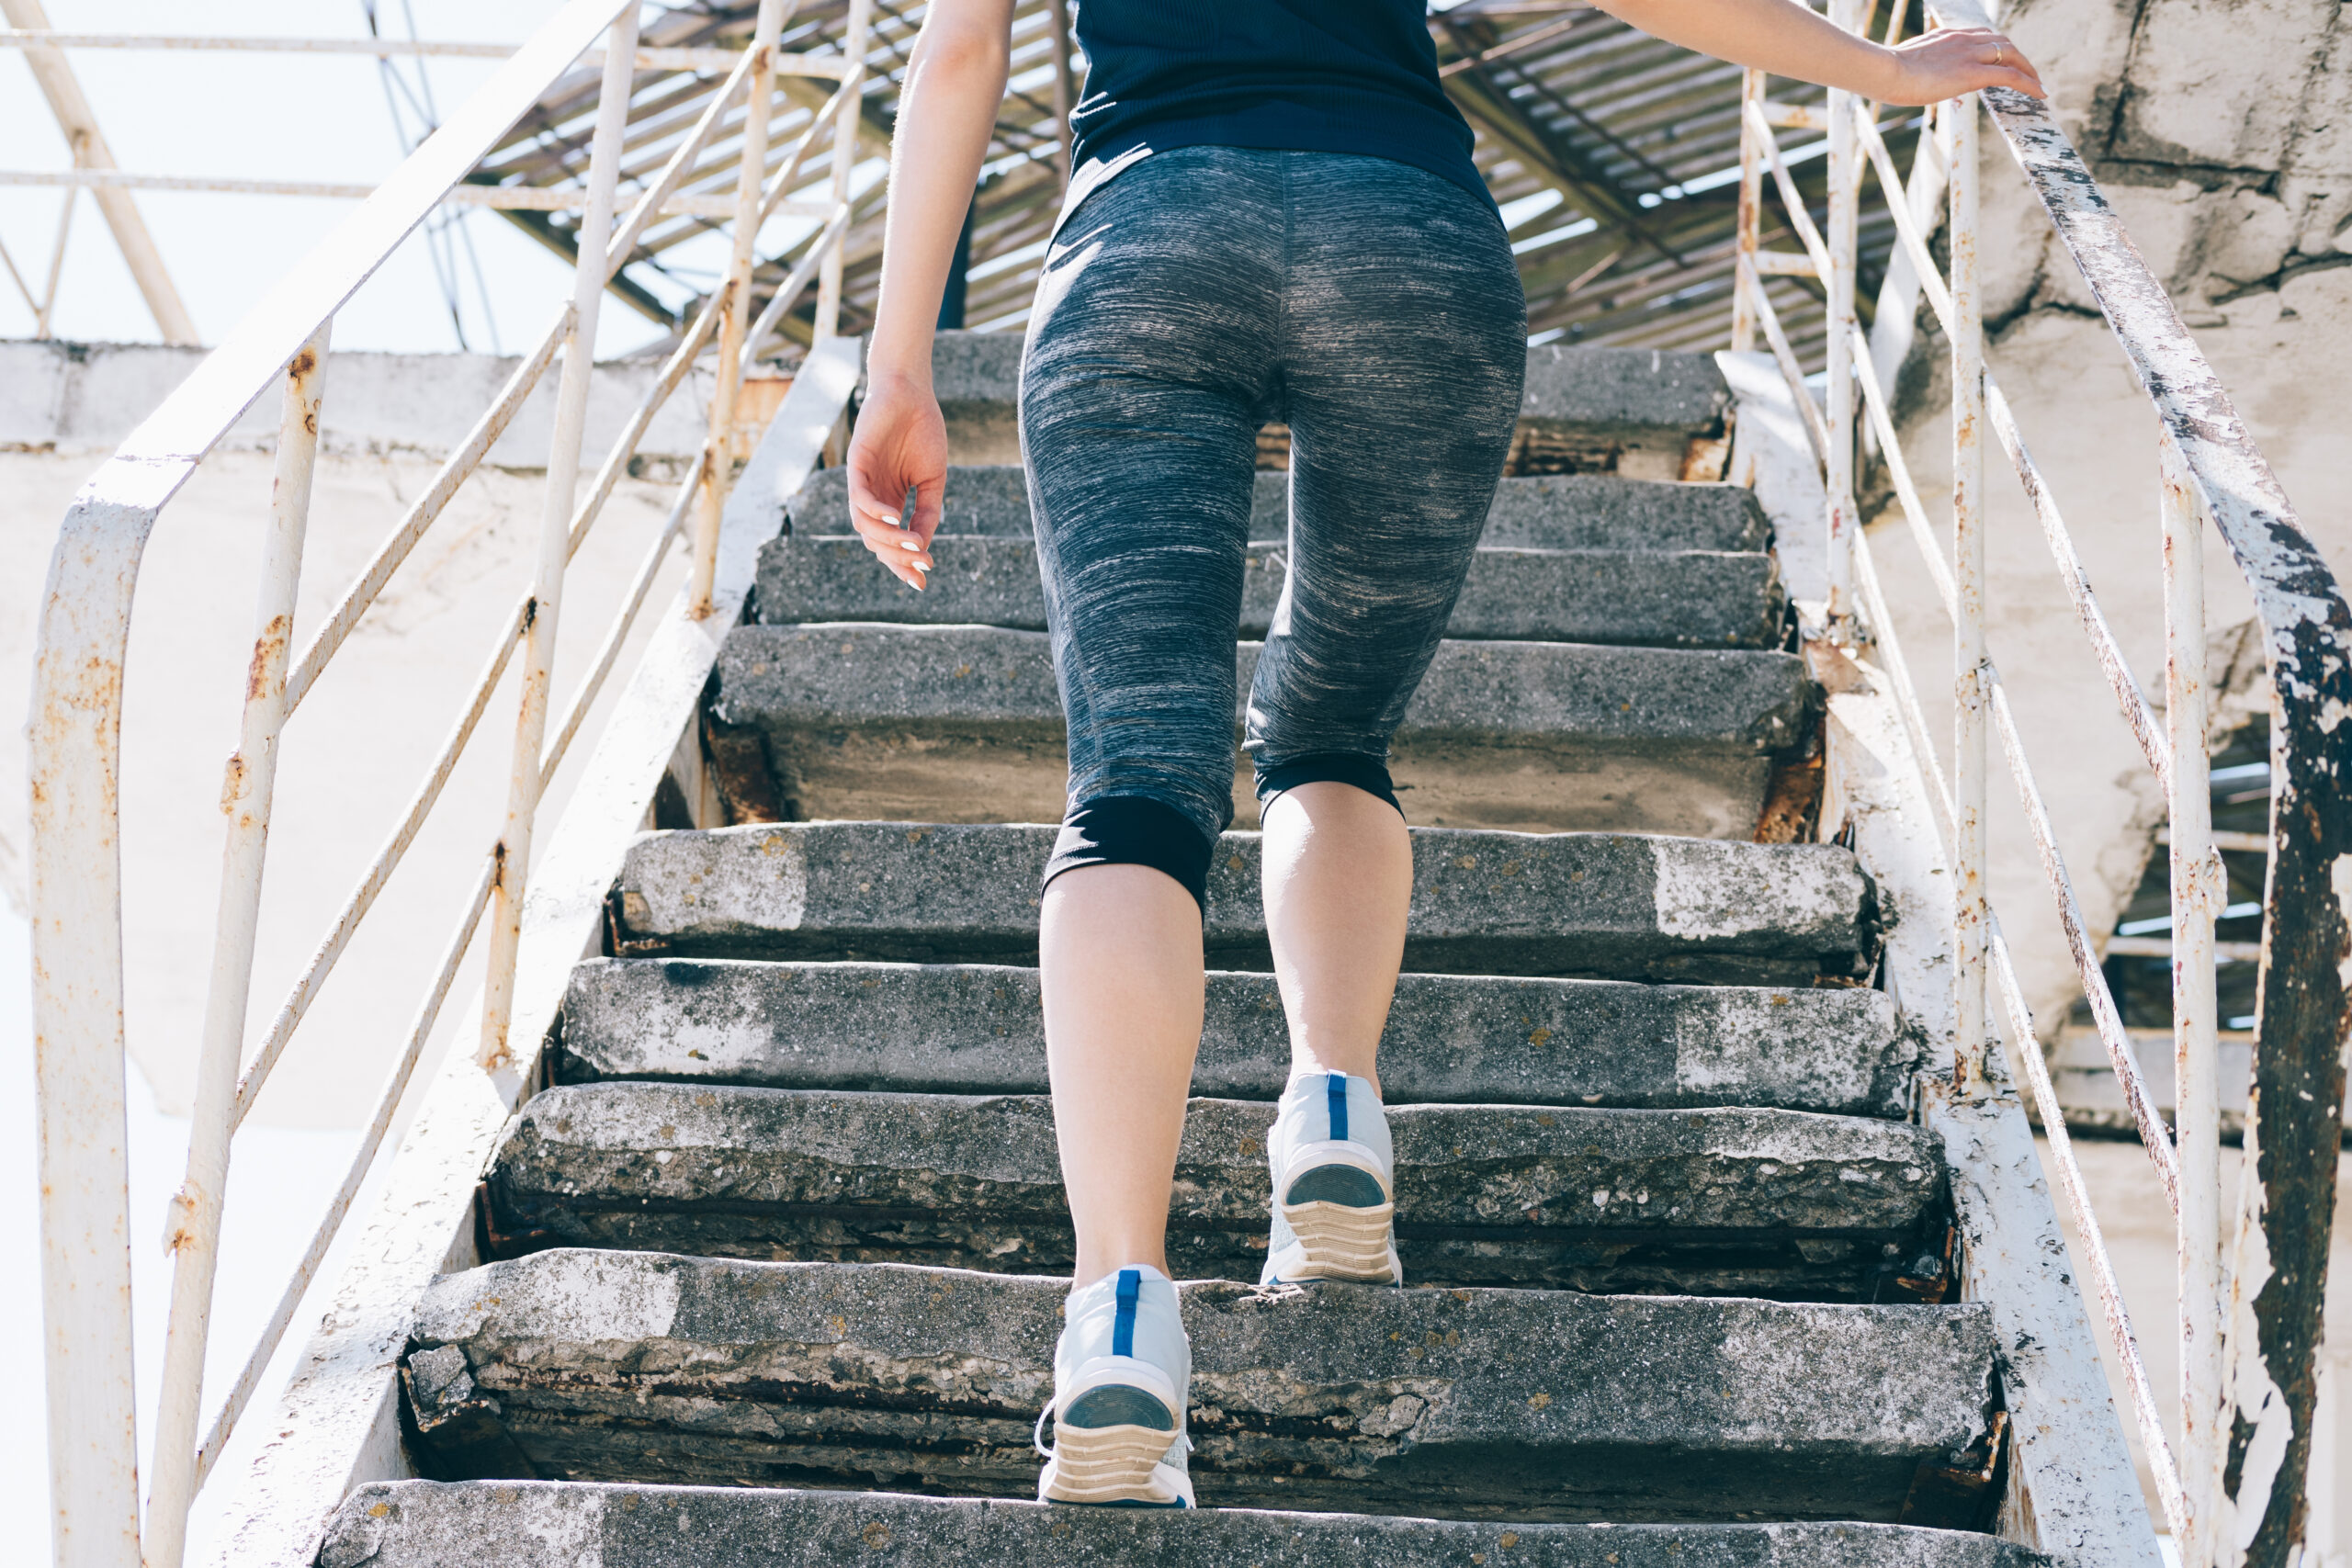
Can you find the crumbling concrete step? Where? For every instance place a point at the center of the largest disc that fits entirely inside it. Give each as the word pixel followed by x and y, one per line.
pixel 1553 511
pixel 1685 600
pixel 426 1524
pixel 1514 1405
pixel 1616 905
pixel 963 723
pixel 1728 1202
pixel 1460 1039
pixel 1634 411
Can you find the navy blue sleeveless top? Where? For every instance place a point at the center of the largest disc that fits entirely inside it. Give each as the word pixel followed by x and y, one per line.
pixel 1303 75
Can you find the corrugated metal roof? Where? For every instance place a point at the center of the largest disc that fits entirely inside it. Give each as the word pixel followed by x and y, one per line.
pixel 1614 156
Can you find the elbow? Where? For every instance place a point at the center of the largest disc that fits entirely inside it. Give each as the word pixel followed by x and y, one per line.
pixel 954 50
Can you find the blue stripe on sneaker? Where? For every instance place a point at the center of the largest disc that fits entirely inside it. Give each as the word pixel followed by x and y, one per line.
pixel 1339 1103
pixel 1123 1327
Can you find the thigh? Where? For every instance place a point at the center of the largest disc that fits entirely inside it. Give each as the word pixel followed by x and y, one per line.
pixel 1405 347
pixel 1143 385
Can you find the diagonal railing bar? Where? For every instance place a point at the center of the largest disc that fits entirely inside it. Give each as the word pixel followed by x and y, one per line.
pixel 2231 1489
pixel 372 881
pixel 77 691
pixel 459 467
pixel 363 1160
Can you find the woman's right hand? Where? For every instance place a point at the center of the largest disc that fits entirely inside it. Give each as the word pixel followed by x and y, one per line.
pixel 900 445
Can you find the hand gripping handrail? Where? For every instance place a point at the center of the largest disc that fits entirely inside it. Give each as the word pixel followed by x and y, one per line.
pixel 76 734
pixel 2235 1494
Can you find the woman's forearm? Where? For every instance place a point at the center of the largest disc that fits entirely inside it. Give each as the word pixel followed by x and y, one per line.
pixel 1784 39
pixel 955 82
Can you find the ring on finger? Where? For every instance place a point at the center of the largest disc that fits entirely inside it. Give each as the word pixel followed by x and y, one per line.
pixel 1996 55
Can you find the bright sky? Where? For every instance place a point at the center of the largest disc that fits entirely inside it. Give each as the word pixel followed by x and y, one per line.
pixel 257 116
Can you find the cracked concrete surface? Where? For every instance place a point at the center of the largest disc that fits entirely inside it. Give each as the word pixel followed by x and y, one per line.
pixel 958 723
pixel 1670 599
pixel 420 1524
pixel 1523 1405
pixel 977 1029
pixel 1720 1201
pixel 1618 905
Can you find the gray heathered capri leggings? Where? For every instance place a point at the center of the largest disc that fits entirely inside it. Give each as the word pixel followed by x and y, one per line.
pixel 1376 309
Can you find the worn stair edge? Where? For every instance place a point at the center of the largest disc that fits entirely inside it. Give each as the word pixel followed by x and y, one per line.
pixel 1615 597
pixel 1550 512
pixel 1611 905
pixel 426 1524
pixel 1734 1201
pixel 964 723
pixel 590 1365
pixel 1637 410
pixel 977 1029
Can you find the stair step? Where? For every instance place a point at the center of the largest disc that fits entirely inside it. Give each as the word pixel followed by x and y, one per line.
pixel 1730 1201
pixel 540 1524
pixel 1551 511
pixel 1682 600
pixel 1611 905
pixel 949 723
pixel 1498 1403
pixel 1633 411
pixel 1460 1039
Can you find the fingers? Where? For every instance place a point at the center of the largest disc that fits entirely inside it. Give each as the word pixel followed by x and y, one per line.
pixel 930 497
pixel 896 548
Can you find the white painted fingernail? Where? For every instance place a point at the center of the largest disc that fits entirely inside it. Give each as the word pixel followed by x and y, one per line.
pixel 910 544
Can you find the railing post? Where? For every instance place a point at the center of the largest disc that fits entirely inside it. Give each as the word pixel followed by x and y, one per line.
pixel 2198 886
pixel 595 231
pixel 845 128
pixel 1845 199
pixel 1972 921
pixel 192 1232
pixel 1751 210
pixel 720 447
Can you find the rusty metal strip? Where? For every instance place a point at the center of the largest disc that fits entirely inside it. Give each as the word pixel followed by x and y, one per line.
pixel 363 1159
pixel 460 465
pixel 2126 1344
pixel 618 633
pixel 1816 435
pixel 74 759
pixel 2153 1136
pixel 380 871
pixel 2293 1120
pixel 2146 727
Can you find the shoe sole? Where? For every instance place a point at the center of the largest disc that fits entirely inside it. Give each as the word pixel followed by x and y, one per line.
pixel 1340 1211
pixel 1105 1464
pixel 1110 1436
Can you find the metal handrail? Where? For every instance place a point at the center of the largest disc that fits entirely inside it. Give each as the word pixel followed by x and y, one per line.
pixel 76 891
pixel 2248 1332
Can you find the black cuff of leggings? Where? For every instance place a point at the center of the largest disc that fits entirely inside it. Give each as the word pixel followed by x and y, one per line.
pixel 1133 829
pixel 1367 774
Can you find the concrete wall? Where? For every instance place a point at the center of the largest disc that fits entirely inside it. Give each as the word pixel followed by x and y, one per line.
pixel 362 740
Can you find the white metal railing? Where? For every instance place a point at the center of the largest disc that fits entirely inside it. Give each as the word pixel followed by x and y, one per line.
pixel 2248 1332
pixel 77 993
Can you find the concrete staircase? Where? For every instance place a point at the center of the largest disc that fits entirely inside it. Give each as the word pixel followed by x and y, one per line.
pixel 779 1258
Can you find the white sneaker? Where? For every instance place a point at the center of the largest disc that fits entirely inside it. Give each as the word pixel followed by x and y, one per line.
pixel 1123 1372
pixel 1335 1184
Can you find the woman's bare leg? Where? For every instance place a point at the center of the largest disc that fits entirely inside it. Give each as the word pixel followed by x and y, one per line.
pixel 1120 950
pixel 1339 875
